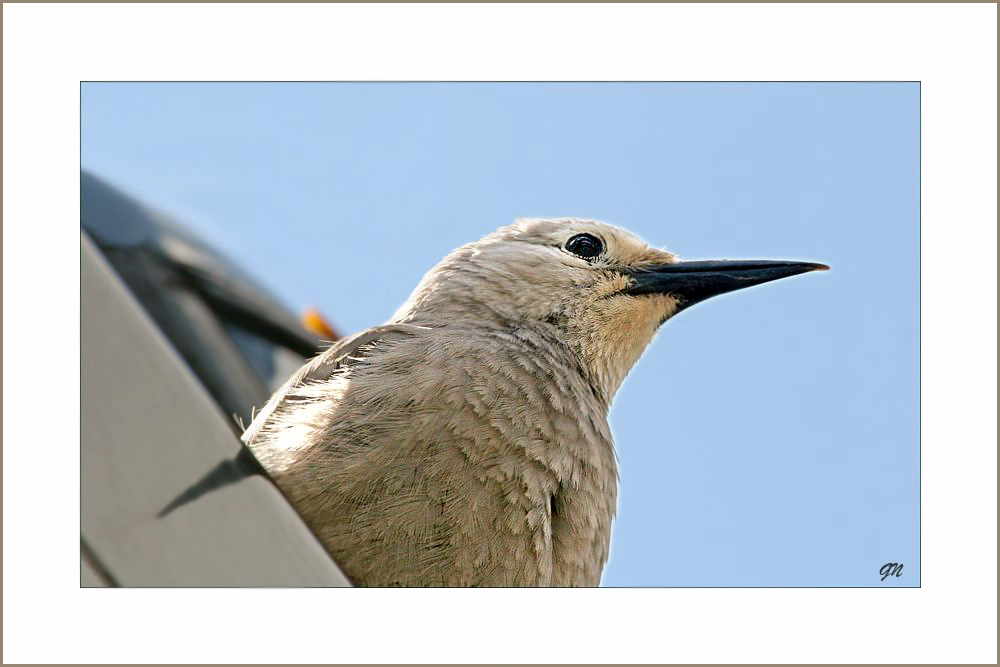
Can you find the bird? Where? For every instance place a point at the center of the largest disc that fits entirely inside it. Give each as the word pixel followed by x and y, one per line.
pixel 465 442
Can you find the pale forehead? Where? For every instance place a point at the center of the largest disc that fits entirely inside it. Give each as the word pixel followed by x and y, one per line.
pixel 556 231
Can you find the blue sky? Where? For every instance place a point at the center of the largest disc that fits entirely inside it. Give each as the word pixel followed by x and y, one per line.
pixel 768 437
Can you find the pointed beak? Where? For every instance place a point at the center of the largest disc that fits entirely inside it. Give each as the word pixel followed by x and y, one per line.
pixel 691 282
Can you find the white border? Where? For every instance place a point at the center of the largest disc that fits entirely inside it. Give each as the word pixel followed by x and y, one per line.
pixel 47 49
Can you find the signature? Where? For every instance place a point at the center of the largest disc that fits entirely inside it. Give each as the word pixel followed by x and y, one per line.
pixel 890 569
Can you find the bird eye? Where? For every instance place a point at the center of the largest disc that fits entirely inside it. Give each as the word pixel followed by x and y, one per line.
pixel 585 245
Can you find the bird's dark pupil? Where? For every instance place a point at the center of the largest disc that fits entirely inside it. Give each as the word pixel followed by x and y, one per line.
pixel 584 245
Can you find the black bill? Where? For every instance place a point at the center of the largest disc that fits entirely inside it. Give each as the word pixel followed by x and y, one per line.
pixel 691 282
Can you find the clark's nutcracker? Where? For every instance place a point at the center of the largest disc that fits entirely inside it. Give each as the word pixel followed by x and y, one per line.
pixel 465 442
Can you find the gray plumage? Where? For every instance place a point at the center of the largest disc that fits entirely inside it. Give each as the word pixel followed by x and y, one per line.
pixel 466 441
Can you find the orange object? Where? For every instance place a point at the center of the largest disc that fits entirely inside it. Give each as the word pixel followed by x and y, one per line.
pixel 312 320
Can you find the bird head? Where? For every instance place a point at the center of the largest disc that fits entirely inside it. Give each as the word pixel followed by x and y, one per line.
pixel 597 288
